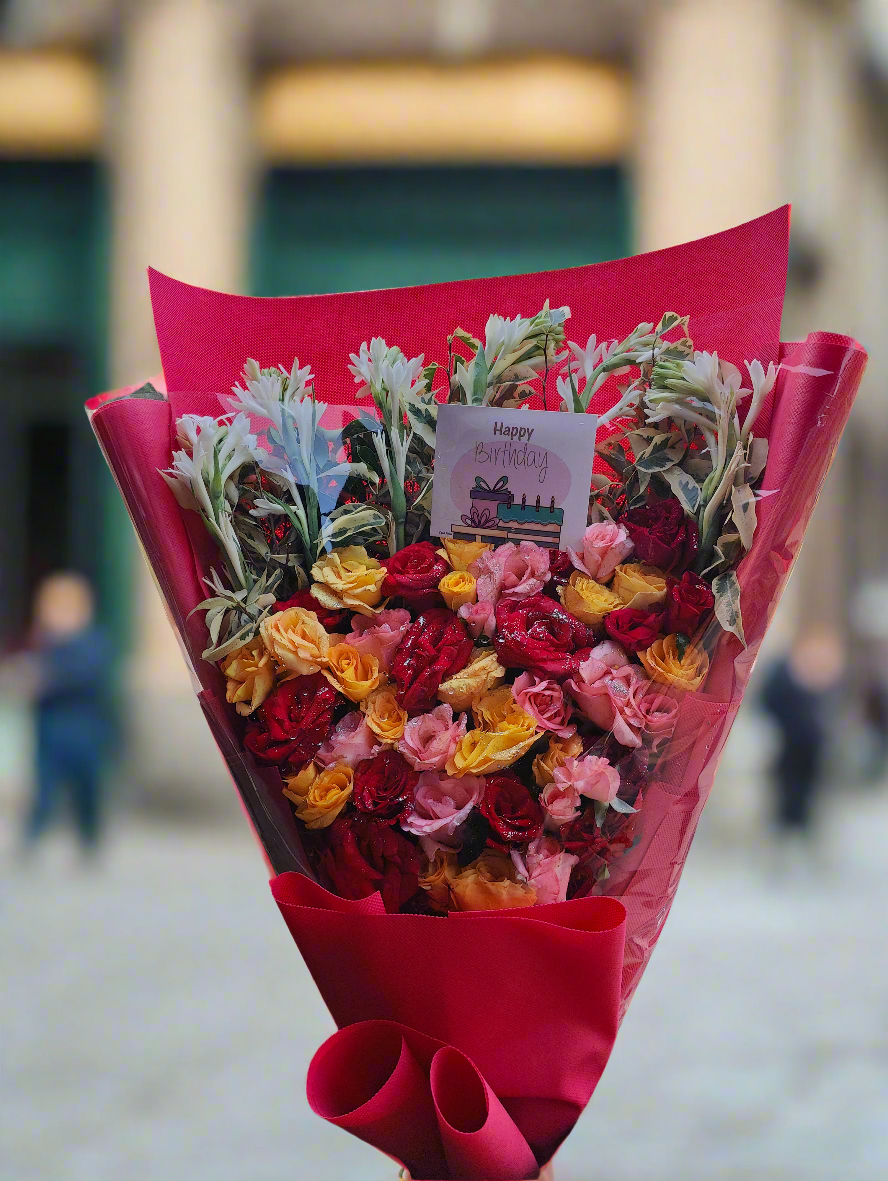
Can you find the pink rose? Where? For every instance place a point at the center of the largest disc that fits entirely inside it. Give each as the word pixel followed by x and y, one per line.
pixel 603 693
pixel 548 869
pixel 480 618
pixel 544 701
pixel 430 739
pixel 652 710
pixel 440 806
pixel 379 635
pixel 593 777
pixel 561 801
pixel 605 546
pixel 351 741
pixel 515 570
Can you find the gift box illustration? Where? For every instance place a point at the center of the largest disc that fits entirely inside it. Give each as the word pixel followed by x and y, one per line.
pixel 481 752
pixel 509 521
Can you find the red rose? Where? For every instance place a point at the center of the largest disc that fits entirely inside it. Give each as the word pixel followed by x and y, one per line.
pixel 664 535
pixel 363 854
pixel 293 721
pixel 633 628
pixel 513 813
pixel 560 563
pixel 687 602
pixel 435 646
pixel 414 574
pixel 537 633
pixel 331 620
pixel 383 786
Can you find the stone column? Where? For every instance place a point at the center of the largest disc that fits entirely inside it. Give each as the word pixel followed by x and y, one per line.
pixel 180 159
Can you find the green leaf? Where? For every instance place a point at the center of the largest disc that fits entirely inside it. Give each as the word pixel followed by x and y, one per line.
pixel 743 513
pixel 350 523
pixel 600 812
pixel 726 588
pixel 466 338
pixel 670 320
pixel 659 461
pixel 423 418
pixel 685 489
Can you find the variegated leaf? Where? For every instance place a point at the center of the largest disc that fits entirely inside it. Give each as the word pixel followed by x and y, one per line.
pixel 685 489
pixel 743 513
pixel 726 588
pixel 758 457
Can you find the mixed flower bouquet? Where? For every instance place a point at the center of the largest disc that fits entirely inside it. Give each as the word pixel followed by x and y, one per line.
pixel 427 726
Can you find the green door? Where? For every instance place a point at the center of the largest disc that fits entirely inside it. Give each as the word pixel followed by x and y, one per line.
pixel 60 507
pixel 322 230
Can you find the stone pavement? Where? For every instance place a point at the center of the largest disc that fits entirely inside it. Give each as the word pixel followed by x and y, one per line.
pixel 157 1023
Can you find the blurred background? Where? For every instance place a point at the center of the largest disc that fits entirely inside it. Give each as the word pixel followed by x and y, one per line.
pixel 157 1019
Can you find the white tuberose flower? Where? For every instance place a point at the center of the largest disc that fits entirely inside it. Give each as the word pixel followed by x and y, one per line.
pixel 267 394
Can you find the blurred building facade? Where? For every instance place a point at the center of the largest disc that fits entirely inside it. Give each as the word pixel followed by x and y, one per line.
pixel 281 148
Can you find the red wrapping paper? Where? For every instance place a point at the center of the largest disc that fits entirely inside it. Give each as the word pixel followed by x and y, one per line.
pixel 469 1046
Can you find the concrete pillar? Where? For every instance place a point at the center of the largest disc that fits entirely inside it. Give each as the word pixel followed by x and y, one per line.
pixel 181 167
pixel 710 117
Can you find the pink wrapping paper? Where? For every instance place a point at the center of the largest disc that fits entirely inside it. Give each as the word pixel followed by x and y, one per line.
pixel 519 1015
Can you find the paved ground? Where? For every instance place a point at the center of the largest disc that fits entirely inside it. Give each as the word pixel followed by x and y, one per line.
pixel 157 1023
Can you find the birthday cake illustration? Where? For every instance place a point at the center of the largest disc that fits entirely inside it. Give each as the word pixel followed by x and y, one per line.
pixel 495 517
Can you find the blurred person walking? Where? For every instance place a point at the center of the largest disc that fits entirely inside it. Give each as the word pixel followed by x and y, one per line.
pixel 796 694
pixel 69 669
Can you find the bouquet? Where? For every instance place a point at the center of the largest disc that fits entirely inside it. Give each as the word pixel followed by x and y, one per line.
pixel 440 702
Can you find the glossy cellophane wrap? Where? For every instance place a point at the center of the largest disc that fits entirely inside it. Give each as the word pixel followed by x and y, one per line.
pixel 732 287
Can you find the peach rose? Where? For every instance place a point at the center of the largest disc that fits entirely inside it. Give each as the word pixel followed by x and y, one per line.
pixel 458 589
pixel 384 716
pixel 480 619
pixel 430 739
pixel 560 800
pixel 250 676
pixel 348 578
pixel 482 673
pixel 669 664
pixel 587 600
pixel 354 675
pixel 379 635
pixel 638 585
pixel 297 786
pixel 436 878
pixel 351 741
pixel 326 797
pixel 296 640
pixel 461 554
pixel 490 883
pixel 605 545
pixel 558 750
pixel 544 701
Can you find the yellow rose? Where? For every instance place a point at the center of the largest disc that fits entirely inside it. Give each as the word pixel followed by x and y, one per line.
pixel 437 878
pixel 355 674
pixel 490 883
pixel 482 673
pixel 587 600
pixel 664 664
pixel 348 577
pixel 639 585
pixel 461 554
pixel 384 716
pixel 250 674
pixel 296 640
pixel 326 796
pixel 547 761
pixel 298 785
pixel 481 752
pixel 491 708
pixel 458 588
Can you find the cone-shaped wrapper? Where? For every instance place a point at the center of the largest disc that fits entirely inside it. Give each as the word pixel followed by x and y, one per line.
pixel 479 1136
pixel 368 1080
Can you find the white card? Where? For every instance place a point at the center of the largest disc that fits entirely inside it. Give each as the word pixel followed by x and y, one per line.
pixel 512 475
